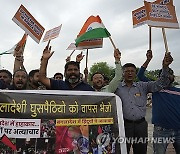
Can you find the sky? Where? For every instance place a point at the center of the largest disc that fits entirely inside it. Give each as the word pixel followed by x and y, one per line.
pixel 72 14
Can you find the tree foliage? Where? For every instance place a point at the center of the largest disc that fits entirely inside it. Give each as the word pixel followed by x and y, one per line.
pixel 109 71
pixel 153 75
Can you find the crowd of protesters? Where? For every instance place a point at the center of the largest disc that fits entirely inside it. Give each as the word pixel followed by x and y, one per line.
pixel 133 94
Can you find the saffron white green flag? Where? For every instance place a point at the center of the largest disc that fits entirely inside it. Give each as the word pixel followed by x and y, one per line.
pixel 92 29
pixel 21 43
pixel 10 51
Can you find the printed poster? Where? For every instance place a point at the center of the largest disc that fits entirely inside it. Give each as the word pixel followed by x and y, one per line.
pixel 28 23
pixel 62 122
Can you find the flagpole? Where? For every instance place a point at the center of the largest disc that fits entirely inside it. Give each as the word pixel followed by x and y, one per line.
pixel 150 38
pixel 48 43
pixel 112 42
pixel 165 40
pixel 86 58
pixel 86 74
pixel 71 53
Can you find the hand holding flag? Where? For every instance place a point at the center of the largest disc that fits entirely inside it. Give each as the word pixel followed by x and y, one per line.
pixel 17 48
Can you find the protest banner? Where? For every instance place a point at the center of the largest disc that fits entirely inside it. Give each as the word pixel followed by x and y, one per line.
pixel 28 23
pixel 139 17
pixel 20 128
pixel 159 15
pixel 90 44
pixel 52 33
pixel 72 46
pixel 87 44
pixel 163 2
pixel 70 120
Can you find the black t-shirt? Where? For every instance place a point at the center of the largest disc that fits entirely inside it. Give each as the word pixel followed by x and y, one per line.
pixel 3 85
pixel 65 85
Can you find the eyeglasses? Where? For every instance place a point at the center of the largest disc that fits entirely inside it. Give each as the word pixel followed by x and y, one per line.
pixel 130 71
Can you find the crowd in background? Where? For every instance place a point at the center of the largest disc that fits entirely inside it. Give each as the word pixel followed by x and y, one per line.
pixel 166 108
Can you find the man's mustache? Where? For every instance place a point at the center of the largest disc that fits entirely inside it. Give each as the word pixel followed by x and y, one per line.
pixel 72 74
pixel 19 82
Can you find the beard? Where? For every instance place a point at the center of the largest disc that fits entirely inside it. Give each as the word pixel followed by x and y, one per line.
pixel 73 80
pixel 36 83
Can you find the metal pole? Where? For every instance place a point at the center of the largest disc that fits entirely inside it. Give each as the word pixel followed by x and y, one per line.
pixel 35 146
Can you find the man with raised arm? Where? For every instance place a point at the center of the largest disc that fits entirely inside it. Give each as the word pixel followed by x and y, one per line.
pixel 72 82
pixel 165 112
pixel 134 99
pixel 71 74
pixel 98 78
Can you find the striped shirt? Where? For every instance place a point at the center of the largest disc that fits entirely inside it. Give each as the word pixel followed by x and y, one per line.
pixel 134 98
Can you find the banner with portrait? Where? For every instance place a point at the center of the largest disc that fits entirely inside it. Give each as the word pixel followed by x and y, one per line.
pixel 62 121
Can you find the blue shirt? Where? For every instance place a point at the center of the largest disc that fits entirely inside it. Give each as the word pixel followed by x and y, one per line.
pixel 65 85
pixel 166 108
pixel 165 105
pixel 141 75
pixel 134 98
pixel 3 85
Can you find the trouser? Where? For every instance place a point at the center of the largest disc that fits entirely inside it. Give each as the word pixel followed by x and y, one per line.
pixel 136 135
pixel 162 137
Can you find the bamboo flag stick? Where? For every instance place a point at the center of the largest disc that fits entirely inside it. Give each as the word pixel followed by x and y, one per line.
pixel 87 59
pixel 71 53
pixel 48 43
pixel 150 38
pixel 112 42
pixel 86 69
pixel 165 40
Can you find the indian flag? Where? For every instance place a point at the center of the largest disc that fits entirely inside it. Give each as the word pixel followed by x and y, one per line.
pixel 21 43
pixel 92 29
